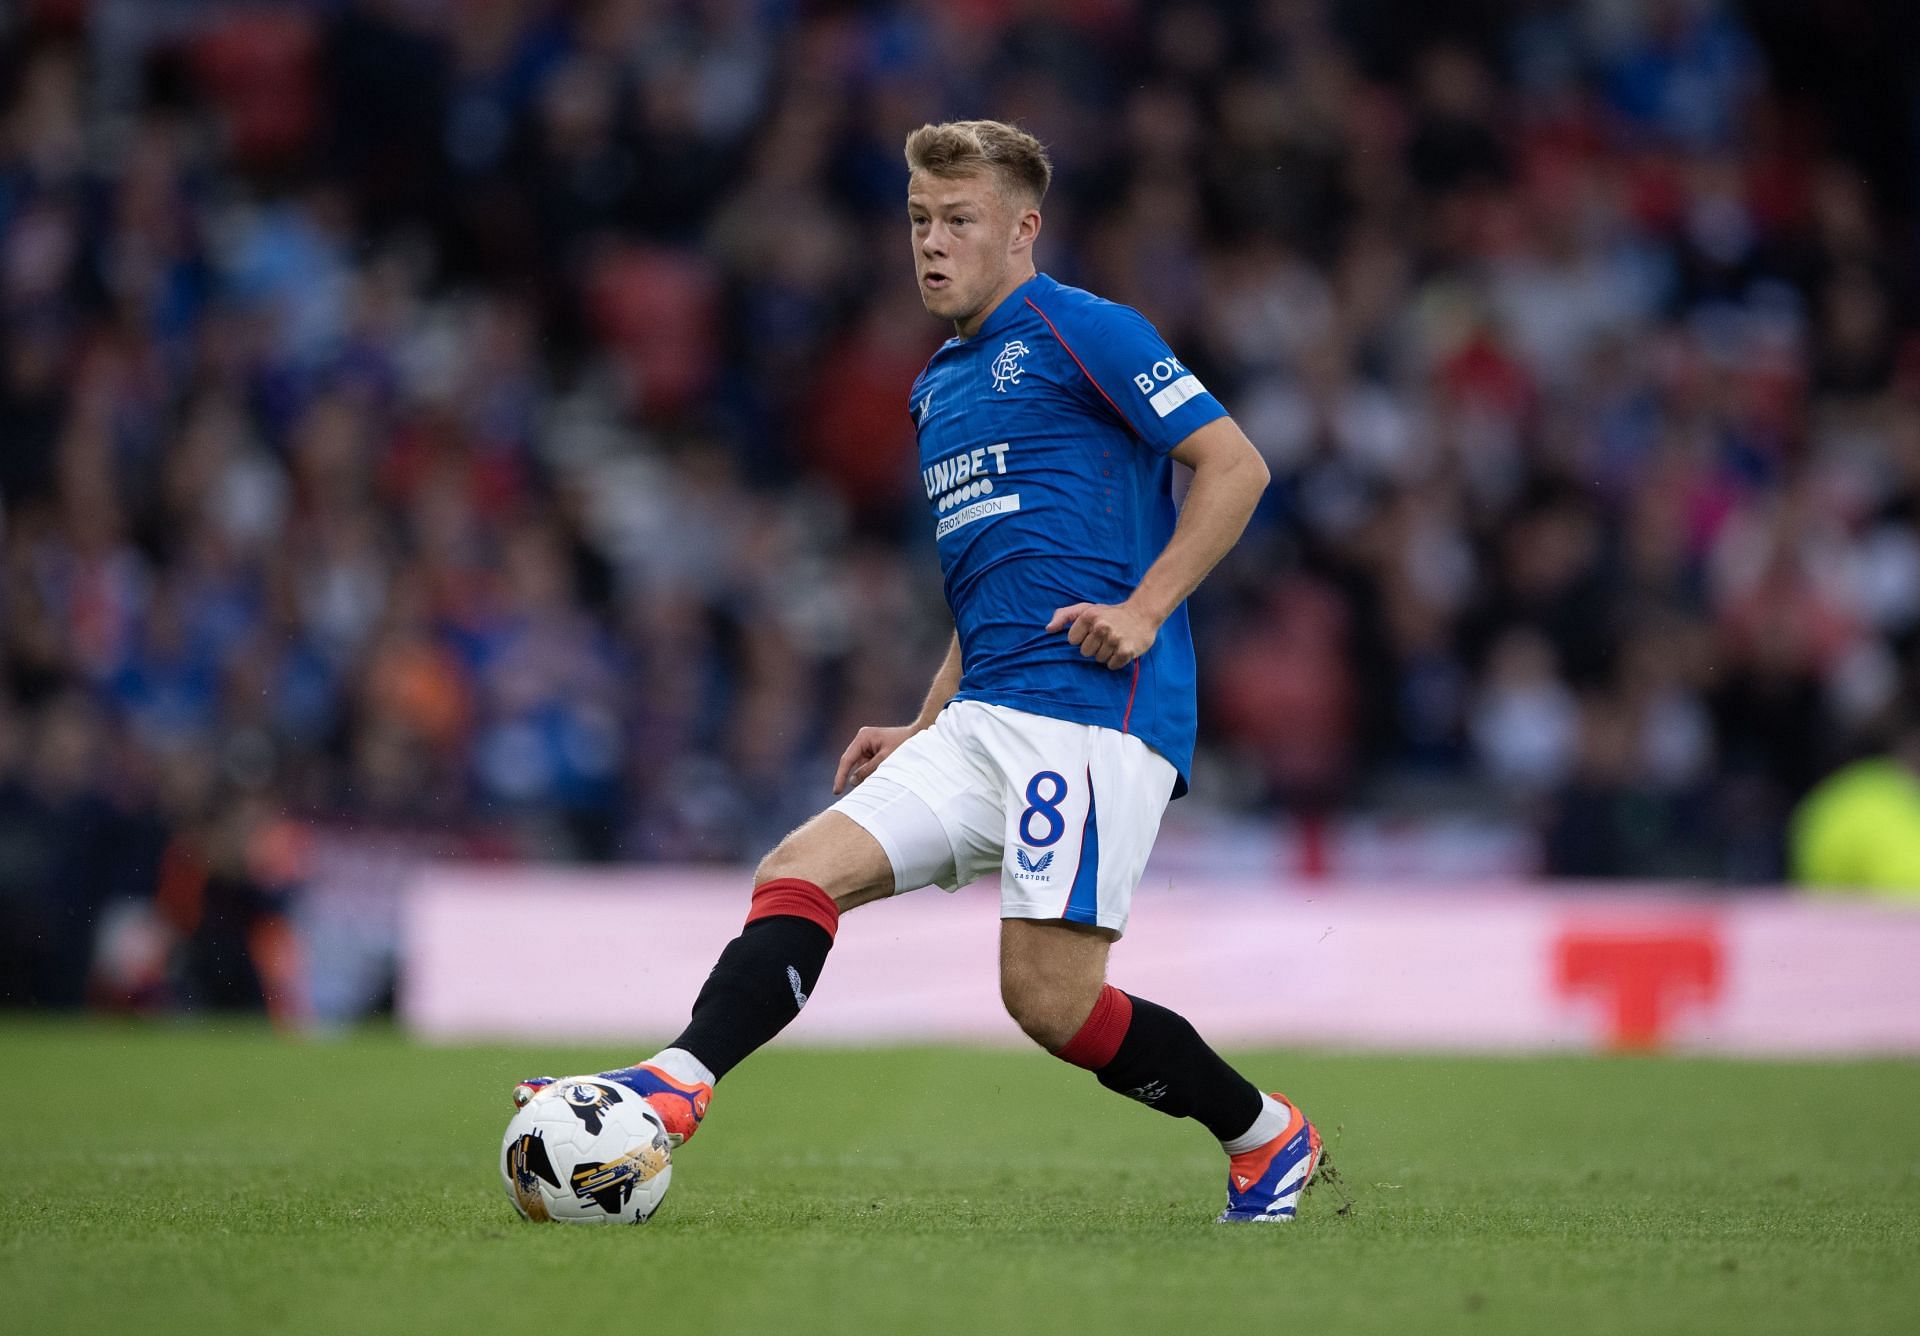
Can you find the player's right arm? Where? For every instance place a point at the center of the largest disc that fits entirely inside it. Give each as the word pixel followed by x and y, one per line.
pixel 871 745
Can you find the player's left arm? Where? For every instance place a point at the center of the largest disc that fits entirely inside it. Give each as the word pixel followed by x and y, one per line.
pixel 1228 477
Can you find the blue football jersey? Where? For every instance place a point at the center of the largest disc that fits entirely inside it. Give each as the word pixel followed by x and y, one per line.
pixel 1043 451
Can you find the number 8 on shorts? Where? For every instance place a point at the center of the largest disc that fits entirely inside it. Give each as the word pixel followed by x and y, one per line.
pixel 1046 806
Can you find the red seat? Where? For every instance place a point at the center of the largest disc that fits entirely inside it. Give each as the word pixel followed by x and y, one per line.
pixel 659 309
pixel 258 65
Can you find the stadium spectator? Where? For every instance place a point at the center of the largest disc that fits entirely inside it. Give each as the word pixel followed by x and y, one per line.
pixel 487 397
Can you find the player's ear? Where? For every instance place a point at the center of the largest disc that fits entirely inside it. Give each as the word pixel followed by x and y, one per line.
pixel 1026 228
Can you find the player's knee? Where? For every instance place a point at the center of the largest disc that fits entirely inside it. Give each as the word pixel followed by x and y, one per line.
pixel 1048 1009
pixel 778 863
pixel 795 857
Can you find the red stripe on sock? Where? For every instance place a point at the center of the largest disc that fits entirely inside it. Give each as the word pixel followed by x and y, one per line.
pixel 1099 1039
pixel 794 898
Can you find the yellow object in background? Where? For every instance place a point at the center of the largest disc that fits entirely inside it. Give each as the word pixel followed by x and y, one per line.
pixel 1859 830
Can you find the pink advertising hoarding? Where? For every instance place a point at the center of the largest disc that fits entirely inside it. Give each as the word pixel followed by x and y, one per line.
pixel 492 953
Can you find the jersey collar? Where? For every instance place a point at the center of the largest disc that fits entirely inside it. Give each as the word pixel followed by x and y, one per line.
pixel 1009 308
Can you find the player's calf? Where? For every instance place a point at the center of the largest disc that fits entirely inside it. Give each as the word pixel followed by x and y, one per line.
pixel 756 988
pixel 1150 1054
pixel 764 976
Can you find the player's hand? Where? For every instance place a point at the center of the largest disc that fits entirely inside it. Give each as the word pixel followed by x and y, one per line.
pixel 863 755
pixel 1114 633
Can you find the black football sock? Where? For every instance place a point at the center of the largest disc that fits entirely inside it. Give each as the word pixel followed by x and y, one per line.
pixel 1148 1053
pixel 764 976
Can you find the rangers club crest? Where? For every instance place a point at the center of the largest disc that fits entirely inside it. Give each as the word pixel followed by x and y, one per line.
pixel 1006 367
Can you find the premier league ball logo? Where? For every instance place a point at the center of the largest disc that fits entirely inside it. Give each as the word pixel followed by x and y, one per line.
pixel 588 1101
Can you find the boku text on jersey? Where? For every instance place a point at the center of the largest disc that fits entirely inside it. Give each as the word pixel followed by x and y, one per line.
pixel 1043 452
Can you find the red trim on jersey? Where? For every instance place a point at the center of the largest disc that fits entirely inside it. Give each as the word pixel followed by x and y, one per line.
pixel 794 897
pixel 1083 369
pixel 1099 1039
pixel 1128 717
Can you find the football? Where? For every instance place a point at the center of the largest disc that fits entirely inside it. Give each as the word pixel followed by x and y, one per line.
pixel 586 1151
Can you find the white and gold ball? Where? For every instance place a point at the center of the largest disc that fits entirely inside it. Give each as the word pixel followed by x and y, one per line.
pixel 586 1150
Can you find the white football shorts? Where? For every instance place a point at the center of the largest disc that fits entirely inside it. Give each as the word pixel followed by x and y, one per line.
pixel 1068 812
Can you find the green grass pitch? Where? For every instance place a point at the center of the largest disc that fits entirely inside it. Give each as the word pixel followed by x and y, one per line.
pixel 212 1179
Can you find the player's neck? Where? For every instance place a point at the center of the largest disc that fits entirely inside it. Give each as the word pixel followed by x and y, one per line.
pixel 967 328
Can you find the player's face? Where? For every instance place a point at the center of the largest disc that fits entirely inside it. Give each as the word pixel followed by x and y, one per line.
pixel 968 241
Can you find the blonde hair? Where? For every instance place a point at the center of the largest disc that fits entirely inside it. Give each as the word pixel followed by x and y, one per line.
pixel 960 148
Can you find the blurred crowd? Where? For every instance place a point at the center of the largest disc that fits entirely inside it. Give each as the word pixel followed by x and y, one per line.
pixel 488 416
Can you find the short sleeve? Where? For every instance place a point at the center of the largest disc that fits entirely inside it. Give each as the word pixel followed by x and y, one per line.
pixel 1132 370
